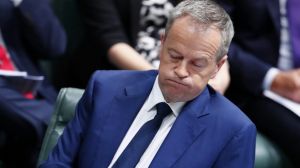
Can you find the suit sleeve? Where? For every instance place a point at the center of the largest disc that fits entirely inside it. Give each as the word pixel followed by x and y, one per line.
pixel 41 29
pixel 240 150
pixel 248 70
pixel 64 154
pixel 245 66
pixel 104 22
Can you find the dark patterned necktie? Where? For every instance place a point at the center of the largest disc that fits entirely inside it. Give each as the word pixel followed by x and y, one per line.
pixel 293 14
pixel 139 143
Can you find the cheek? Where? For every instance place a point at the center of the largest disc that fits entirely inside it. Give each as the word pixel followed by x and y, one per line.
pixel 199 82
pixel 206 75
pixel 163 71
pixel 167 69
pixel 199 85
pixel 199 79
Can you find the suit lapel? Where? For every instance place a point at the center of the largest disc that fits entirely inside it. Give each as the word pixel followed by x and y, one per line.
pixel 122 112
pixel 186 129
pixel 273 8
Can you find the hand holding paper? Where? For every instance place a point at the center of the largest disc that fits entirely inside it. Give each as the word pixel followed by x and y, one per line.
pixel 21 81
pixel 287 84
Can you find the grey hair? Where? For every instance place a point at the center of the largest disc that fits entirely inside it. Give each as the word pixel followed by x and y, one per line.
pixel 206 13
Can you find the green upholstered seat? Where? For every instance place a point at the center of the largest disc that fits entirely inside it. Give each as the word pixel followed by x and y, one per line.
pixel 63 113
pixel 267 155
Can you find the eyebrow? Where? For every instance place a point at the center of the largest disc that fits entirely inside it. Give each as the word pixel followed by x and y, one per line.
pixel 201 57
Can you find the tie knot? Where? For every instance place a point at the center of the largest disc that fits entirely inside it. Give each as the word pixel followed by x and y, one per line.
pixel 163 109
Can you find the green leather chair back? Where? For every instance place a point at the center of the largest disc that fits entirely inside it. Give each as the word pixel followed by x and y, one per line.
pixel 267 155
pixel 63 113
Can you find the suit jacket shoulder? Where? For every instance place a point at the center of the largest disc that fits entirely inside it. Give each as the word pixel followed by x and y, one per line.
pixel 118 79
pixel 224 110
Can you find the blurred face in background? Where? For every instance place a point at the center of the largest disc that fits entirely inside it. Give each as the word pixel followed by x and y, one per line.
pixel 188 59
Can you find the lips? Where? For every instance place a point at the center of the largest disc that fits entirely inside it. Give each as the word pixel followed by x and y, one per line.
pixel 177 82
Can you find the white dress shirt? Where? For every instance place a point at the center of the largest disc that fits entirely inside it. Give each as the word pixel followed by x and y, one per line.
pixel 285 60
pixel 146 113
pixel 16 2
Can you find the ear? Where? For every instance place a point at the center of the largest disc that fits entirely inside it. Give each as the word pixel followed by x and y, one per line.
pixel 219 65
pixel 162 36
pixel 162 40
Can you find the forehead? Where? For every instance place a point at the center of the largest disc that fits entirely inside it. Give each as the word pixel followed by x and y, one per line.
pixel 191 38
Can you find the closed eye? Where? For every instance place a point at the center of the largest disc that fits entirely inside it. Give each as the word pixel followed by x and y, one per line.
pixel 200 63
pixel 174 55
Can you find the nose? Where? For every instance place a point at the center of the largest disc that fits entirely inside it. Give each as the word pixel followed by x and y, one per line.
pixel 181 69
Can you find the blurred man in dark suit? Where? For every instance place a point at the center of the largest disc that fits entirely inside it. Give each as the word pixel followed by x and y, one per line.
pixel 28 31
pixel 264 58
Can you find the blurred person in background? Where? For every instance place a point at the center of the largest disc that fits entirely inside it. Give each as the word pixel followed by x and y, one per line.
pixel 265 58
pixel 29 31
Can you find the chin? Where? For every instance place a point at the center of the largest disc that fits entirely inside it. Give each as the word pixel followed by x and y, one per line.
pixel 176 98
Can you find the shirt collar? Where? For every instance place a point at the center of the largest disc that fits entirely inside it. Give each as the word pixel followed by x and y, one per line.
pixel 156 97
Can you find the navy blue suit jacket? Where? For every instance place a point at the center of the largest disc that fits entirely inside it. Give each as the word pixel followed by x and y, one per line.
pixel 209 132
pixel 255 47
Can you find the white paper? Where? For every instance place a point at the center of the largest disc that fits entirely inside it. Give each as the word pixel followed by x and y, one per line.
pixel 12 73
pixel 293 106
pixel 21 81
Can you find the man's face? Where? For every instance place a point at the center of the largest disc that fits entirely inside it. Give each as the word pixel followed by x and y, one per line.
pixel 188 60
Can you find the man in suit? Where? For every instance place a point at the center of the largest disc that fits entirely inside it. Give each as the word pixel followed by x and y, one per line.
pixel 261 59
pixel 125 34
pixel 28 31
pixel 113 119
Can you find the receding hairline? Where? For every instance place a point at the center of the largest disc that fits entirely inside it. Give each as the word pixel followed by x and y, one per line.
pixel 207 14
pixel 197 25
